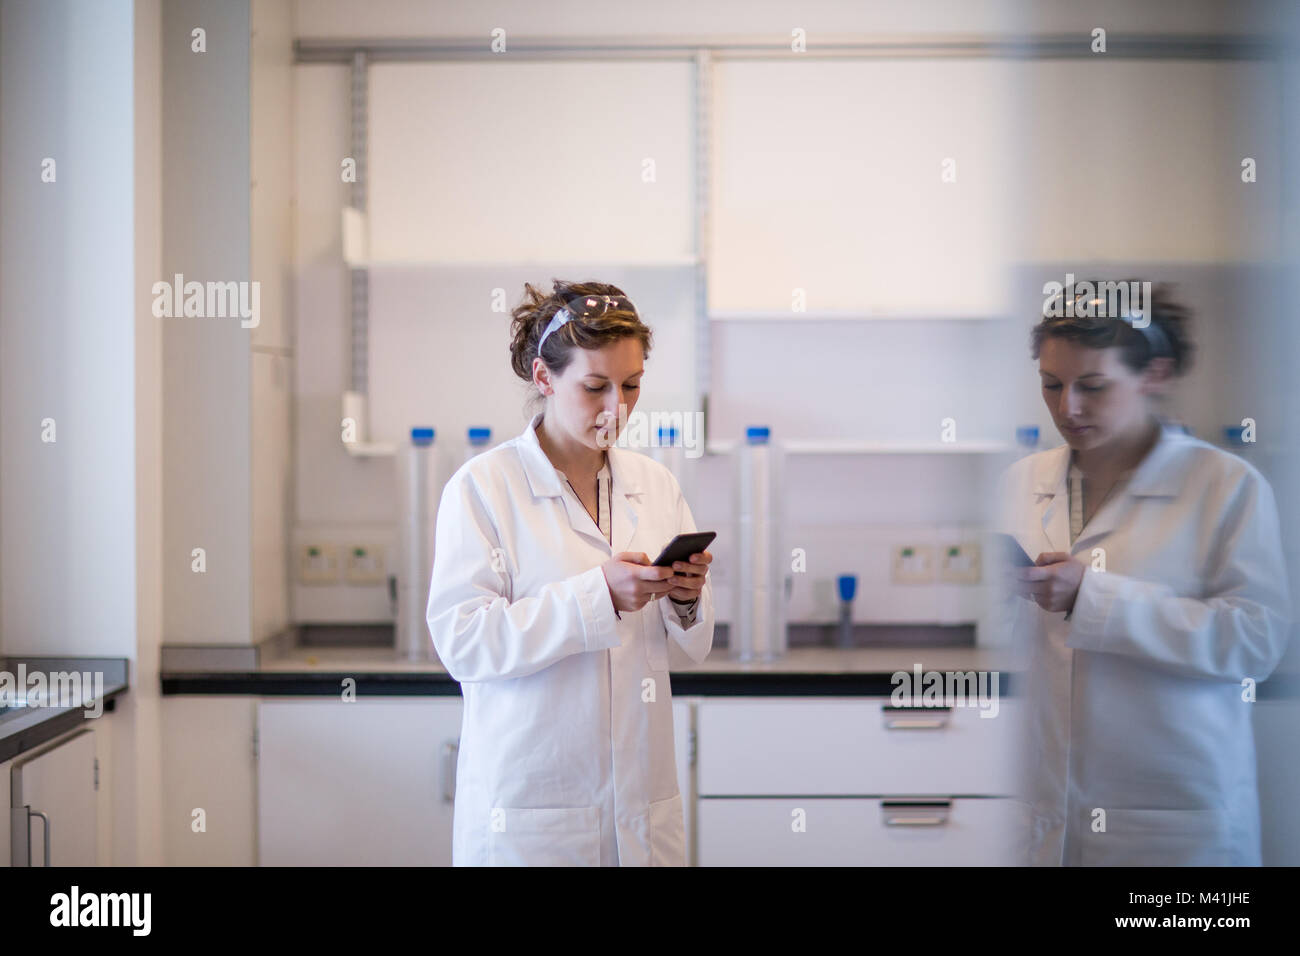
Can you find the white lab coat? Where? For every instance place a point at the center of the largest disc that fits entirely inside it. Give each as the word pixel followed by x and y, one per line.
pixel 1135 703
pixel 566 747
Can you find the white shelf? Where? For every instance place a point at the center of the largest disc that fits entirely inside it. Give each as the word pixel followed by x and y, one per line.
pixel 832 446
pixel 533 264
pixel 371 449
pixel 745 315
pixel 356 253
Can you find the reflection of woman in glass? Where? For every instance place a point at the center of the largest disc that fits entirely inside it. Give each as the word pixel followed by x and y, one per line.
pixel 1157 598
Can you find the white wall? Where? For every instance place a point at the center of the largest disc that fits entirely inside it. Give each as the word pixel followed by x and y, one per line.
pixel 825 178
pixel 67 316
pixel 207 374
pixel 272 350
pixel 134 776
pixel 81 529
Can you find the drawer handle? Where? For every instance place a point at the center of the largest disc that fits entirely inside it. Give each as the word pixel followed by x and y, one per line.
pixel 916 723
pixel 899 821
pixel 915 718
pixel 929 813
pixel 37 813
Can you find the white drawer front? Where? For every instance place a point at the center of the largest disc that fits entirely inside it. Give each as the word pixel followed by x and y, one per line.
pixel 842 832
pixel 852 747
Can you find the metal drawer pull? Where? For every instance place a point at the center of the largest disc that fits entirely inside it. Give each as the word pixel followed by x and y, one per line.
pixel 914 821
pixel 37 813
pixel 930 813
pixel 910 718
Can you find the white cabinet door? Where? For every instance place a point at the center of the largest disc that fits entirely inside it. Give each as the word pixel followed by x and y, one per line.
pixel 846 832
pixel 58 782
pixel 368 783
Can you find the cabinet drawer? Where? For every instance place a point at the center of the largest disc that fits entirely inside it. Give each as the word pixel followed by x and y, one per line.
pixel 852 747
pixel 842 832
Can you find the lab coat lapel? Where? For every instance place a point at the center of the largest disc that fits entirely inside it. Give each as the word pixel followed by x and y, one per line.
pixel 1155 477
pixel 545 482
pixel 627 499
pixel 625 494
pixel 1050 498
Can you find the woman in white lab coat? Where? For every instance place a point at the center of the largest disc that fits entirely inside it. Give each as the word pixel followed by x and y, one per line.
pixel 544 606
pixel 1157 600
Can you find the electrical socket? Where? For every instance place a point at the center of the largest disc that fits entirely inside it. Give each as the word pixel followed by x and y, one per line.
pixel 913 564
pixel 318 564
pixel 960 563
pixel 367 564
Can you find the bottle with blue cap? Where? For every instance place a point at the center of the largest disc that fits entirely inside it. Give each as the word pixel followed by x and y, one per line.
pixel 413 641
pixel 847 584
pixel 667 450
pixel 1026 440
pixel 1239 441
pixel 762 581
pixel 478 438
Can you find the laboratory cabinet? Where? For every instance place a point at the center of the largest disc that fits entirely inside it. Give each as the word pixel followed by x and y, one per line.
pixel 362 783
pixel 369 783
pixel 853 782
pixel 53 803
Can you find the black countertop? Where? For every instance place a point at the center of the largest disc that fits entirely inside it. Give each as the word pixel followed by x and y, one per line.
pixel 23 728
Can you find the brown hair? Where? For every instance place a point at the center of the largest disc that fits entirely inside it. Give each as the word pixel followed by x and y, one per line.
pixel 1136 348
pixel 530 318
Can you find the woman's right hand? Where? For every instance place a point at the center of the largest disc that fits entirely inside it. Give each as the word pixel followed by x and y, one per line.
pixel 633 580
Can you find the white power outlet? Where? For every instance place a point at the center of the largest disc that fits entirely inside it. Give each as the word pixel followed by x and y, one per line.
pixel 913 564
pixel 960 563
pixel 318 564
pixel 367 564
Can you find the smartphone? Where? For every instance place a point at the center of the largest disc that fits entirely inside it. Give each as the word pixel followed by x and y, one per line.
pixel 1013 553
pixel 683 546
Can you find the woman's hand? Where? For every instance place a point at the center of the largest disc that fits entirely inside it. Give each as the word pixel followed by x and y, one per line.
pixel 1053 582
pixel 633 580
pixel 689 577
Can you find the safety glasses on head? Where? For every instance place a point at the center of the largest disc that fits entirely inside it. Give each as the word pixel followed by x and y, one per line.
pixel 1071 305
pixel 586 307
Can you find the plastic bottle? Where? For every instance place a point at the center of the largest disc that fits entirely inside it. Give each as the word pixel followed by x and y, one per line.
pixel 478 440
pixel 413 641
pixel 758 621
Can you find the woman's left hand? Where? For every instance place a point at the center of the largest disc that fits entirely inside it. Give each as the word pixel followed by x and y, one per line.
pixel 1053 582
pixel 689 576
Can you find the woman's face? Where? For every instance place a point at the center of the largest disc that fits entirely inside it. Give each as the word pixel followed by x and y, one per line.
pixel 1092 395
pixel 584 401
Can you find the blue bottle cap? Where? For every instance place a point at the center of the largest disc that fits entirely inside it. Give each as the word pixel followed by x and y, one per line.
pixel 478 436
pixel 757 434
pixel 1027 435
pixel 667 435
pixel 848 585
pixel 1232 434
pixel 422 436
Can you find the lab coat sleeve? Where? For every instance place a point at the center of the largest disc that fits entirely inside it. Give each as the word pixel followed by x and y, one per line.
pixel 478 632
pixel 1238 630
pixel 696 639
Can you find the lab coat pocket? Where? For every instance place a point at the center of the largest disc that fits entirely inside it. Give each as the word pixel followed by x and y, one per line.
pixel 656 637
pixel 667 832
pixel 1157 838
pixel 561 837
